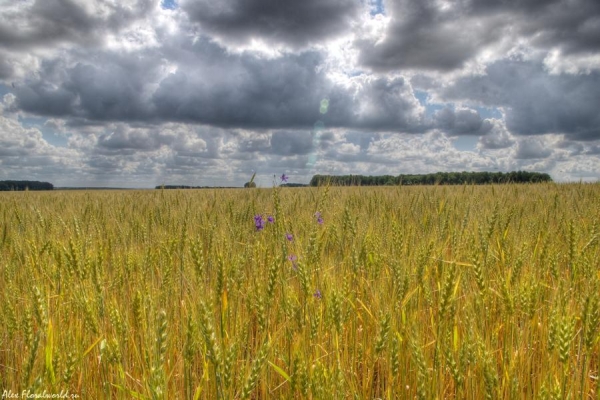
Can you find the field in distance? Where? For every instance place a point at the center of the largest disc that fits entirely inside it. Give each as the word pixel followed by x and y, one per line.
pixel 324 293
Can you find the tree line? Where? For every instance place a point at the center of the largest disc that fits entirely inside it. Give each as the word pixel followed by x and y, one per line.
pixel 192 187
pixel 25 185
pixel 438 178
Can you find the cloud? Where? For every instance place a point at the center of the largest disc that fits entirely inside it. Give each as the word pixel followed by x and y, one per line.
pixel 386 104
pixel 6 68
pixel 593 149
pixel 125 138
pixel 498 137
pixel 290 23
pixel 534 101
pixel 214 87
pixel 291 143
pixel 532 148
pixel 251 142
pixel 242 90
pixel 425 35
pixel 32 24
pixel 283 92
pixel 443 36
pixel 114 87
pixel 572 26
pixel 122 155
pixel 25 154
pixel 464 121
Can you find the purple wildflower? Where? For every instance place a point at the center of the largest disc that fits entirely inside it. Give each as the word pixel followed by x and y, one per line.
pixel 258 222
pixel 318 294
pixel 271 219
pixel 319 218
pixel 289 237
pixel 284 178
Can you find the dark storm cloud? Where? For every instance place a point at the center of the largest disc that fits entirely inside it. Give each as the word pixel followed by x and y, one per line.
pixel 423 36
pixel 325 140
pixel 294 23
pixel 571 25
pixel 210 86
pixel 254 143
pixel 247 91
pixel 532 148
pixel 573 148
pixel 45 99
pixel 461 122
pixel 426 34
pixel 112 88
pixel 242 90
pixel 387 104
pixel 6 68
pixel 134 139
pixel 49 21
pixel 593 149
pixel 214 87
pixel 251 144
pixel 535 102
pixel 291 143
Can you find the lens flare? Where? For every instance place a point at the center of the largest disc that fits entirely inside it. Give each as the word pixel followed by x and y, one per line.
pixel 324 106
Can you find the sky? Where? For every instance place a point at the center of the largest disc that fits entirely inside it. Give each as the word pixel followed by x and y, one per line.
pixel 140 93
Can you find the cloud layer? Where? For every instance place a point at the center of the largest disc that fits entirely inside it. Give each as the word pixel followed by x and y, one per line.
pixel 133 94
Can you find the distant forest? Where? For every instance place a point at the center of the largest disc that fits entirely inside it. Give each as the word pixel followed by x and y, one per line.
pixel 25 185
pixel 193 187
pixel 439 178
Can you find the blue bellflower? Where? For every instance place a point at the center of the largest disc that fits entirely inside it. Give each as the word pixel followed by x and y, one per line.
pixel 258 222
pixel 319 218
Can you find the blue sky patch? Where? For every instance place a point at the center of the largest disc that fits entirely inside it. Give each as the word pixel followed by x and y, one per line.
pixel 487 112
pixel 466 143
pixel 377 7
pixel 169 4
pixel 4 90
pixel 430 108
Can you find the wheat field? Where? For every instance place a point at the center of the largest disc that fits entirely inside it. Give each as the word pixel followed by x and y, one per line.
pixel 464 292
